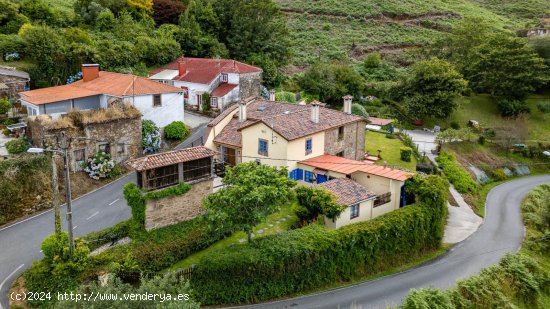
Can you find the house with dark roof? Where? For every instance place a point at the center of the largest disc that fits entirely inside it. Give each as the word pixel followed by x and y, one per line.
pixel 158 102
pixel 283 134
pixel 225 81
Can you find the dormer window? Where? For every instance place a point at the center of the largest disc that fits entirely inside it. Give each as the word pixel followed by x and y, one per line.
pixel 224 78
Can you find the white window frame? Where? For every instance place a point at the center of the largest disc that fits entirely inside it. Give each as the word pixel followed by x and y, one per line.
pixel 214 102
pixel 354 214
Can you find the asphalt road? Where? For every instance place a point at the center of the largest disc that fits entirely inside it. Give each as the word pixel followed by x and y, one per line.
pixel 502 232
pixel 20 242
pixel 196 139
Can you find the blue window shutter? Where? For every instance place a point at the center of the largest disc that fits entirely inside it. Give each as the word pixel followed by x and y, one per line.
pixel 293 175
pixel 299 174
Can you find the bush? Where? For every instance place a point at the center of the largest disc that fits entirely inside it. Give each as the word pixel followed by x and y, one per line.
pixel 19 145
pixel 406 154
pixel 512 108
pixel 455 125
pixel 461 179
pixel 544 107
pixel 428 298
pixel 315 202
pixel 499 175
pixel 101 166
pixel 481 140
pixel 285 96
pixel 425 168
pixel 150 137
pixel 359 110
pixel 311 257
pixel 206 102
pixel 5 105
pixel 176 130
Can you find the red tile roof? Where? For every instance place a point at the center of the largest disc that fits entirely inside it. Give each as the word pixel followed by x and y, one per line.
pixel 170 158
pixel 109 83
pixel 204 71
pixel 347 191
pixel 379 121
pixel 223 89
pixel 347 166
pixel 230 134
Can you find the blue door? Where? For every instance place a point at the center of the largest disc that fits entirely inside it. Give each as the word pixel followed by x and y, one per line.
pixel 321 178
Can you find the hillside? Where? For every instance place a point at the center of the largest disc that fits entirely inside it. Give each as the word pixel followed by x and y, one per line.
pixel 335 29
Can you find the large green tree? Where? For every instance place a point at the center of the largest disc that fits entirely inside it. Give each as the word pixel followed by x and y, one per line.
pixel 432 87
pixel 251 193
pixel 314 202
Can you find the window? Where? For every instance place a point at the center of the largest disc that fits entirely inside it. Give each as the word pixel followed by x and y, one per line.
pixel 309 176
pixel 214 102
pixel 340 133
pixel 340 154
pixel 224 78
pixel 157 100
pixel 309 145
pixel 354 211
pixel 382 199
pixel 120 148
pixel 106 148
pixel 79 159
pixel 262 147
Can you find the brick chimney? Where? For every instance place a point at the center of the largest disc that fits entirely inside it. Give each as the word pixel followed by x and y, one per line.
pixel 90 72
pixel 242 111
pixel 347 103
pixel 272 95
pixel 315 112
pixel 182 67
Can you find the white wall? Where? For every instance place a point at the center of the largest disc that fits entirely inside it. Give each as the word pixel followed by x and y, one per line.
pixel 193 90
pixel 233 78
pixel 172 108
pixel 365 214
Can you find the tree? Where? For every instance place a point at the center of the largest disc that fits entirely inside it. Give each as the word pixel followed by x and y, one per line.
pixel 432 87
pixel 9 10
pixel 359 110
pixel 5 105
pixel 252 192
pixel 167 11
pixel 542 46
pixel 315 202
pixel 44 46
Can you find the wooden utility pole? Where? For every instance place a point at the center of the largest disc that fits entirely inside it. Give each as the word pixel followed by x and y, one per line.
pixel 55 189
pixel 64 148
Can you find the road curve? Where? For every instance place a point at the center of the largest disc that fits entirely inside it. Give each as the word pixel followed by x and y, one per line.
pixel 20 242
pixel 501 232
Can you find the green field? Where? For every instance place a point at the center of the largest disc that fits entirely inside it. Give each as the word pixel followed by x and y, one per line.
pixel 390 150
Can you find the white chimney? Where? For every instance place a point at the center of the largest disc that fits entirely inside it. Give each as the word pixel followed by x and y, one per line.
pixel 315 112
pixel 272 95
pixel 242 111
pixel 347 103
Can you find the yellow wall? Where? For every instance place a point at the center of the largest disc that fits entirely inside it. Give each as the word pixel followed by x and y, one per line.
pixel 277 152
pixel 380 185
pixel 215 130
pixel 365 214
pixel 296 150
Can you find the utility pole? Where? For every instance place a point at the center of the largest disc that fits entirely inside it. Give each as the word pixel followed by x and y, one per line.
pixel 55 189
pixel 64 147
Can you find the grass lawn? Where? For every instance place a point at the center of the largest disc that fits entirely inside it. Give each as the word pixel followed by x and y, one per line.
pixel 275 223
pixel 390 150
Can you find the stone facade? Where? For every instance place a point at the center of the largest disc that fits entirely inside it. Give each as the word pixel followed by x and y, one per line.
pixel 15 81
pixel 123 137
pixel 249 85
pixel 352 145
pixel 175 209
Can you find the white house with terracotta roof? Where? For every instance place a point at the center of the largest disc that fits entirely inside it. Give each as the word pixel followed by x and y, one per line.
pixel 227 81
pixel 158 102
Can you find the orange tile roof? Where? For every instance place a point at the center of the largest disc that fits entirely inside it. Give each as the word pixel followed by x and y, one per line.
pixel 109 83
pixel 347 166
pixel 380 121
pixel 223 89
pixel 170 158
pixel 347 191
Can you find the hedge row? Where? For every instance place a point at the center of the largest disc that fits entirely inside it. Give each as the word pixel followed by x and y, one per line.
pixel 311 257
pixel 461 179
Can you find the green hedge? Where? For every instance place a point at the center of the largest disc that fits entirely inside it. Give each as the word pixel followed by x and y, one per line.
pixel 461 179
pixel 312 257
pixel 406 153
pixel 176 131
pixel 19 145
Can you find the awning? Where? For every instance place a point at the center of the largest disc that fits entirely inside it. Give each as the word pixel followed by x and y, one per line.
pixel 319 171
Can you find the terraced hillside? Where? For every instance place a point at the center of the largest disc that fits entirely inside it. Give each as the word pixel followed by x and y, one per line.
pixel 340 28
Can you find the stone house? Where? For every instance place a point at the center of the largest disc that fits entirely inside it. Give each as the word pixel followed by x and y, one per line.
pixel 226 81
pixel 115 130
pixel 158 102
pixel 12 82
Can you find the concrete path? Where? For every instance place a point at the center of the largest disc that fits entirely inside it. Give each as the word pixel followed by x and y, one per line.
pixel 195 120
pixel 461 221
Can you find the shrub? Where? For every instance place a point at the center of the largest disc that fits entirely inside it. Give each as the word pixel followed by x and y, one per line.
pixel 285 96
pixel 544 107
pixel 5 105
pixel 499 175
pixel 481 140
pixel 406 154
pixel 134 199
pixel 19 145
pixel 311 257
pixel 6 132
pixel 455 125
pixel 150 137
pixel 428 298
pixel 206 102
pixel 425 168
pixel 512 108
pixel 101 166
pixel 461 179
pixel 176 130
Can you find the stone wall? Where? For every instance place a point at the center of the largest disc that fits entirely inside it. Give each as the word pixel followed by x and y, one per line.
pixel 249 85
pixel 175 209
pixel 353 143
pixel 15 84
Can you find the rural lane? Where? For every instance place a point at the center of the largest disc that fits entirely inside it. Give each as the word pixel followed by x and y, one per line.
pixel 502 232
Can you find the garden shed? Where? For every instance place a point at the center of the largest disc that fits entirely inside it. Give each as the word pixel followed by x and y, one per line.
pixel 167 169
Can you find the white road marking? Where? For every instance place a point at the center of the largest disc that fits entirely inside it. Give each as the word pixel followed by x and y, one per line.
pixel 40 251
pixel 93 215
pixel 75 227
pixel 8 278
pixel 111 203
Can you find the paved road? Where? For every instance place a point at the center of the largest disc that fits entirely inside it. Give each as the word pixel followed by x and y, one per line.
pixel 502 232
pixel 20 243
pixel 196 139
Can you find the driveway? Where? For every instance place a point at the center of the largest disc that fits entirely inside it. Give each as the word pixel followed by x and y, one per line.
pixel 195 120
pixel 425 140
pixel 501 233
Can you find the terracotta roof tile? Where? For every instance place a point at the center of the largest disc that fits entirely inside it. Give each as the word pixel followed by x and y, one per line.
pixel 379 121
pixel 170 157
pixel 55 94
pixel 347 191
pixel 223 89
pixel 230 134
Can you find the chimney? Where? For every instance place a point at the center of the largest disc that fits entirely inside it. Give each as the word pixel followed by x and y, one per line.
pixel 347 104
pixel 315 112
pixel 242 111
pixel 272 95
pixel 182 67
pixel 90 72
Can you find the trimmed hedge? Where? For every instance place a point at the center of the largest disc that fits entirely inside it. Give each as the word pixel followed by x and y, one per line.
pixel 176 131
pixel 461 179
pixel 406 153
pixel 312 257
